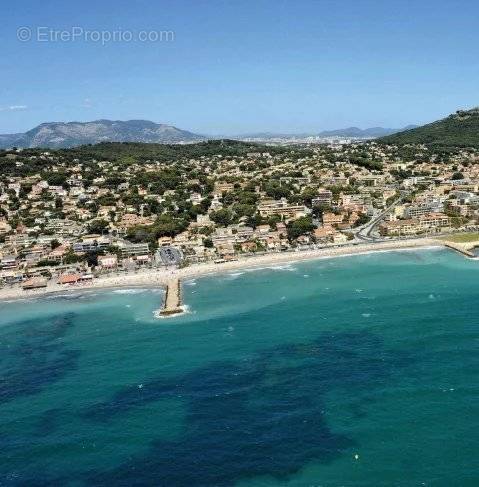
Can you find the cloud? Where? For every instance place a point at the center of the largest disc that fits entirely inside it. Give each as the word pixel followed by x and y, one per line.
pixel 87 103
pixel 13 108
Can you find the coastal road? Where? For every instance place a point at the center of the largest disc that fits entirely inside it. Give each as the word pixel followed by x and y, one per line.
pixel 365 232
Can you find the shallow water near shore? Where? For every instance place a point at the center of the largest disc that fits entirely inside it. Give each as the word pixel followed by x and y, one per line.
pixel 357 371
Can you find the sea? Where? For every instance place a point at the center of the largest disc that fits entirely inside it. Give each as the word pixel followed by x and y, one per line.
pixel 351 371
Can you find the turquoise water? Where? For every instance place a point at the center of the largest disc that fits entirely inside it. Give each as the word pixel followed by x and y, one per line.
pixel 355 371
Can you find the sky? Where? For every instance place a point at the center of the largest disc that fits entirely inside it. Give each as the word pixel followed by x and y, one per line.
pixel 231 67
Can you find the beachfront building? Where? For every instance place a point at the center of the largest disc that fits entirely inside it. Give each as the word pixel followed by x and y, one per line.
pixel 34 283
pixel 68 279
pixel 435 221
pixel 432 222
pixel 109 261
pixel 129 249
pixel 423 208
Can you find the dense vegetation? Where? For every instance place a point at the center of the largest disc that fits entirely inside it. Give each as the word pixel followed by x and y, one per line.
pixel 137 152
pixel 458 130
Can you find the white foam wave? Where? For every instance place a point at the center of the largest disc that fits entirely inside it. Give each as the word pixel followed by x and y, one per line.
pixel 279 267
pixel 185 310
pixel 234 275
pixel 287 267
pixel 130 291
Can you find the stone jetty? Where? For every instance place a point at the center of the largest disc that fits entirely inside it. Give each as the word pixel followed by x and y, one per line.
pixel 172 302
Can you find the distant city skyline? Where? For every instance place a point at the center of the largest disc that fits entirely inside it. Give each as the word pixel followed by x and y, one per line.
pixel 240 67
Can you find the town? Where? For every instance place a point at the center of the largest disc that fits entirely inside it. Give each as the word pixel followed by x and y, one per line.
pixel 75 214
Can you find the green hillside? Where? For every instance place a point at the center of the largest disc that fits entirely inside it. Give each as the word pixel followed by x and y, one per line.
pixel 140 152
pixel 458 130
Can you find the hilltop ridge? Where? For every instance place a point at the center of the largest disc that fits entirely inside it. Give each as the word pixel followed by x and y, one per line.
pixel 71 134
pixel 460 129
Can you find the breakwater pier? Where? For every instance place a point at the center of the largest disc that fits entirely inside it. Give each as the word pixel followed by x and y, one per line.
pixel 463 248
pixel 172 303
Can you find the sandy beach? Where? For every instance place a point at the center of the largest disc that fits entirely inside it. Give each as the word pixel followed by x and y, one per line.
pixel 160 277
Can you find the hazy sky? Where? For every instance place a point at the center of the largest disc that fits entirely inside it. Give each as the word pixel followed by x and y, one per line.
pixel 238 66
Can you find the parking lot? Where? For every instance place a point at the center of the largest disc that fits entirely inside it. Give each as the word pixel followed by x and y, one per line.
pixel 170 255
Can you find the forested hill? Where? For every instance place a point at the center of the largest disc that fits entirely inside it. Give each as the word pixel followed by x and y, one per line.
pixel 137 152
pixel 460 129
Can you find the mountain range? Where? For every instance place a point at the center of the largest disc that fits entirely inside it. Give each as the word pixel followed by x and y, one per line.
pixel 70 134
pixel 60 134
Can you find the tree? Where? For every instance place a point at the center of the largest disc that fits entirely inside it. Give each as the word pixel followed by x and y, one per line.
pixel 255 220
pixel 91 257
pixel 308 194
pixel 363 219
pixel 276 191
pixel 54 244
pixel 71 258
pixel 273 220
pixel 56 178
pixel 98 226
pixel 318 210
pixel 168 226
pixel 141 234
pixel 298 227
pixel 244 210
pixel 222 217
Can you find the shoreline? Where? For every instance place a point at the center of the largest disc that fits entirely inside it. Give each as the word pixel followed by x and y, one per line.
pixel 160 278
